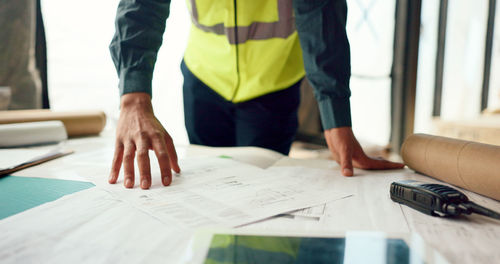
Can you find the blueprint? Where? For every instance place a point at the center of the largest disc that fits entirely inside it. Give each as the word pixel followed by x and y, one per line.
pixel 224 192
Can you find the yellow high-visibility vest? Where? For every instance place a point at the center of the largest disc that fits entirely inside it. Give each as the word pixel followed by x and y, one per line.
pixel 244 49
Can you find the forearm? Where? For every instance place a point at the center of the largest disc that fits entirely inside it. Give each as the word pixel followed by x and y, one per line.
pixel 140 25
pixel 321 28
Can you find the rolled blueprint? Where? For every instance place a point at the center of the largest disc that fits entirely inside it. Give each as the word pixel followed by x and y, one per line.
pixel 32 133
pixel 77 123
pixel 470 165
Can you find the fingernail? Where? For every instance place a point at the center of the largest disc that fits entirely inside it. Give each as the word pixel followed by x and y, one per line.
pixel 128 183
pixel 165 181
pixel 110 178
pixel 144 184
pixel 347 172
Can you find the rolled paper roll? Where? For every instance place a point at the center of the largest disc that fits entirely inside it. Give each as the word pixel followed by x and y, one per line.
pixel 32 133
pixel 77 123
pixel 470 165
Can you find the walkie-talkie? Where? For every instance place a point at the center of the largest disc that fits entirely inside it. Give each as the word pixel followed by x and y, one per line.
pixel 436 199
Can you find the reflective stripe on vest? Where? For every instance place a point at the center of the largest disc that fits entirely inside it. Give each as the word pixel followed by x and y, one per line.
pixel 244 49
pixel 282 28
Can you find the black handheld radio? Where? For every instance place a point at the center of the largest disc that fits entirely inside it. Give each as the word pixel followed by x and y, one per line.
pixel 436 199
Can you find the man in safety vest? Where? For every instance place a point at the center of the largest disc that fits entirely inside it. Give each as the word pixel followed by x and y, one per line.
pixel 242 70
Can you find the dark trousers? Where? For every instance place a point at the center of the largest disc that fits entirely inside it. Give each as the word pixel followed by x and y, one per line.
pixel 269 121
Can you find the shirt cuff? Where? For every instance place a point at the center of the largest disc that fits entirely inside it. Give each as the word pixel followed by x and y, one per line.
pixel 335 113
pixel 132 81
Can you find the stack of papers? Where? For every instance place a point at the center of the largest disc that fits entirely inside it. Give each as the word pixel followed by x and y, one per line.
pixel 223 192
pixel 109 223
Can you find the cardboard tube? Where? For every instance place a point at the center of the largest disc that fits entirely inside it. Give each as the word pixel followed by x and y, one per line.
pixel 470 165
pixel 77 123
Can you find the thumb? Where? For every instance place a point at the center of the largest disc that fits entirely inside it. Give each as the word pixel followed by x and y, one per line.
pixel 345 154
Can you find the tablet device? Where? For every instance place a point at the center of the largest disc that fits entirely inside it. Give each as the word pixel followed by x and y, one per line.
pixel 350 247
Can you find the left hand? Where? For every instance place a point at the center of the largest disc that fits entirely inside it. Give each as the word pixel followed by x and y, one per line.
pixel 347 151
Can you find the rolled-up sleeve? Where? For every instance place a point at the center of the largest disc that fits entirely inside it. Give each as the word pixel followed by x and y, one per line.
pixel 325 47
pixel 140 25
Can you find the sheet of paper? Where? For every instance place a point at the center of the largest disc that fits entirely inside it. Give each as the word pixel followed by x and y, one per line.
pixel 223 192
pixel 15 156
pixel 260 157
pixel 315 212
pixel 311 175
pixel 92 158
pixel 368 208
pixel 90 227
pixel 59 168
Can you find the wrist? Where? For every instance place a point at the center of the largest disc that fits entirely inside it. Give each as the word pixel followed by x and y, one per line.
pixel 136 101
pixel 339 132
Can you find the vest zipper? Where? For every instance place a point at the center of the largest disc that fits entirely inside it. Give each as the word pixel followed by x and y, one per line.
pixel 237 52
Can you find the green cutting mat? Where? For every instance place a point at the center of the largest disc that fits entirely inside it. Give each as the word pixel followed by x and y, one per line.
pixel 18 194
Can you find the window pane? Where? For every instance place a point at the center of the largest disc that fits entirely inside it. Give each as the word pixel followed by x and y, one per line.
pixel 464 59
pixel 370 27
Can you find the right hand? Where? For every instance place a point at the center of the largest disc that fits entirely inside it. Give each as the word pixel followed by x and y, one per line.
pixel 347 151
pixel 138 131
